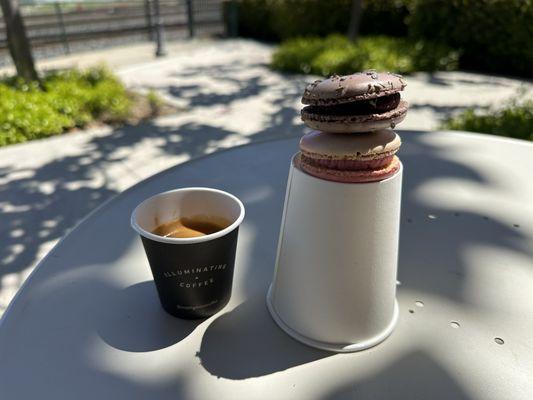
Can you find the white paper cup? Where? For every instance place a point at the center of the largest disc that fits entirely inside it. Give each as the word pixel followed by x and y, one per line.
pixel 334 284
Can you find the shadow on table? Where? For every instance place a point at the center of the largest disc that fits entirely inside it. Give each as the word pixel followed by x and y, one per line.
pixel 415 376
pixel 134 320
pixel 246 343
pixel 60 353
pixel 434 238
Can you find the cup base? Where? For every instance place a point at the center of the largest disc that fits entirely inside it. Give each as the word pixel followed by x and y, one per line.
pixel 335 347
pixel 195 314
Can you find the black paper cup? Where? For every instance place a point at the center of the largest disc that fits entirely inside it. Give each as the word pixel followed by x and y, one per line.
pixel 193 276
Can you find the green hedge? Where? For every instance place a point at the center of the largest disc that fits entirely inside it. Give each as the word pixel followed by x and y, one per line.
pixel 275 20
pixel 494 35
pixel 70 99
pixel 384 17
pixel 336 54
pixel 514 120
pixel 491 35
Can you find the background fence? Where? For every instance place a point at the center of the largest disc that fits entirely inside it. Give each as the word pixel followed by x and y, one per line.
pixel 55 28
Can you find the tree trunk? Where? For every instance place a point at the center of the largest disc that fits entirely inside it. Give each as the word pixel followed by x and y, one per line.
pixel 355 18
pixel 18 43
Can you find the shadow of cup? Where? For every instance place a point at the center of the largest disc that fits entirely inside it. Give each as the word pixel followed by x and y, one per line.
pixel 135 321
pixel 246 342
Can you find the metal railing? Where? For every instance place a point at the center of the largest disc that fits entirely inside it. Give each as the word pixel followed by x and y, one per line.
pixel 64 26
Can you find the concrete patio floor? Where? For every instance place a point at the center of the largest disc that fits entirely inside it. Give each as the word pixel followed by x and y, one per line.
pixel 227 96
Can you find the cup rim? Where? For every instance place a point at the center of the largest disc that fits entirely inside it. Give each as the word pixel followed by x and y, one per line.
pixel 199 239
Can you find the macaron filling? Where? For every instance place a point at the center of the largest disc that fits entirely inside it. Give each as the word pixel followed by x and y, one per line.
pixel 349 176
pixel 349 165
pixel 377 105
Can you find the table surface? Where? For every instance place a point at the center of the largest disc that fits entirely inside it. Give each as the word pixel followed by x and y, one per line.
pixel 87 324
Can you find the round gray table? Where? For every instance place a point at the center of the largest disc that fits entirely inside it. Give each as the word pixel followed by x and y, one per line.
pixel 87 323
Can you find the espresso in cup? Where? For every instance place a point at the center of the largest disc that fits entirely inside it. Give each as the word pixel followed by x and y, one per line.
pixel 190 239
pixel 195 226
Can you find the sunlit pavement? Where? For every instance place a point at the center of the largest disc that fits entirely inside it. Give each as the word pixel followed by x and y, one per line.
pixel 226 96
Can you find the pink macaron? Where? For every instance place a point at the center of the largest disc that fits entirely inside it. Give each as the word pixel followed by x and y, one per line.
pixel 365 157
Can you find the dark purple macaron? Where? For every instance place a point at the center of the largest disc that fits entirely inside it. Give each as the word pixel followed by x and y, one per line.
pixel 361 102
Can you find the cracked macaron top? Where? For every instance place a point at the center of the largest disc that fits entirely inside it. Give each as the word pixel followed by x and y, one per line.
pixel 359 86
pixel 361 102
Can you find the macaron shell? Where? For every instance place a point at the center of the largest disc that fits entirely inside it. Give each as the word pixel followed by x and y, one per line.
pixel 361 176
pixel 364 146
pixel 350 165
pixel 355 123
pixel 360 86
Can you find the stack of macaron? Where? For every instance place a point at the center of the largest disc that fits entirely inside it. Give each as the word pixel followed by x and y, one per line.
pixel 352 117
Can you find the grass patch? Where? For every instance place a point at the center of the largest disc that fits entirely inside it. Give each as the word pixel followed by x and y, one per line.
pixel 155 102
pixel 336 54
pixel 514 120
pixel 70 99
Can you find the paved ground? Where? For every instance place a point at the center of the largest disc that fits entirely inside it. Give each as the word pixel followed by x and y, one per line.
pixel 228 96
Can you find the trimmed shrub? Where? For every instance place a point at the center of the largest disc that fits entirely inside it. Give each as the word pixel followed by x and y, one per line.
pixel 493 35
pixel 385 17
pixel 291 18
pixel 275 20
pixel 255 20
pixel 70 99
pixel 335 54
pixel 515 120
